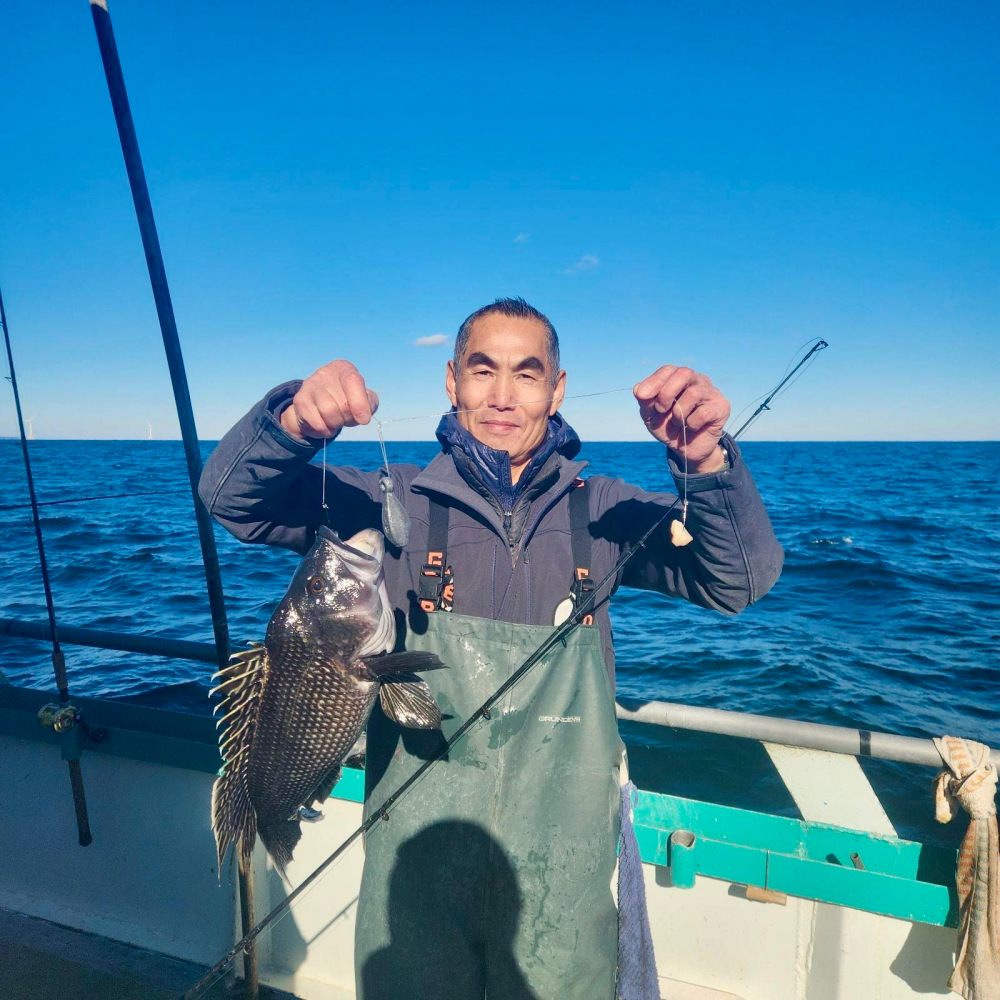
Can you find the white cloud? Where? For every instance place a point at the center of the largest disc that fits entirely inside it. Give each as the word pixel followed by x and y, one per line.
pixel 434 340
pixel 586 263
pixel 522 237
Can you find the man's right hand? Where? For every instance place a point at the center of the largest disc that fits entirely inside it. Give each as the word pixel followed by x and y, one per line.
pixel 333 397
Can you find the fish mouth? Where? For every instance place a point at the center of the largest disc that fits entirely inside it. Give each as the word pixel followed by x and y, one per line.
pixel 368 543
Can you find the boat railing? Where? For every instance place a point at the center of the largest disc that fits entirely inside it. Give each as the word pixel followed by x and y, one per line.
pixel 725 722
pixel 789 732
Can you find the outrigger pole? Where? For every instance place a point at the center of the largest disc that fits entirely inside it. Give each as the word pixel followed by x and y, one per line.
pixel 178 377
pixel 164 311
pixel 63 718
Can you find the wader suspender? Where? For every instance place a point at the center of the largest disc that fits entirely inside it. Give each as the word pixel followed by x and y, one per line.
pixel 437 583
pixel 437 580
pixel 579 526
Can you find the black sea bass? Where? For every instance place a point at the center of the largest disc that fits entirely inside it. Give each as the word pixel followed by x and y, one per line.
pixel 293 707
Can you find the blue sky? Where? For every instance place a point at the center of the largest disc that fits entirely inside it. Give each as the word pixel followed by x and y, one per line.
pixel 710 184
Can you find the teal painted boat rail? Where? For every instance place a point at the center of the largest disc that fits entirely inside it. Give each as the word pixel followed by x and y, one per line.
pixel 844 867
pixel 830 864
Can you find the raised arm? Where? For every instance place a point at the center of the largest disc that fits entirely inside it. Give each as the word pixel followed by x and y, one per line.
pixel 733 558
pixel 258 482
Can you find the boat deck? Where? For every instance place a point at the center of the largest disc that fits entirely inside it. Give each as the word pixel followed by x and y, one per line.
pixel 40 960
pixel 43 961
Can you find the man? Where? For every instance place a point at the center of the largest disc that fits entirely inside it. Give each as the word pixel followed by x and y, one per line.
pixel 493 876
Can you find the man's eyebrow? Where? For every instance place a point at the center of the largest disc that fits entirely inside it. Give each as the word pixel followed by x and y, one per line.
pixel 530 363
pixel 478 358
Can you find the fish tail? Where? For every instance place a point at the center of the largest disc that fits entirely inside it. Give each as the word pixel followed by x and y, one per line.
pixel 233 819
pixel 280 839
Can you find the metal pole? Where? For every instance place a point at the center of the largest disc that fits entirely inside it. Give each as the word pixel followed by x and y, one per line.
pixel 150 645
pixel 175 360
pixel 251 979
pixel 165 312
pixel 808 735
pixel 766 728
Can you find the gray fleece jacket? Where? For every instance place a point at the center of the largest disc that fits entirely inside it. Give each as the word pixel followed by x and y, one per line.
pixel 259 485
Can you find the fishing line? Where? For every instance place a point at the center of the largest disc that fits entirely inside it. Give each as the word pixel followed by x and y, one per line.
pixel 679 534
pixel 395 519
pixel 555 638
pixel 323 504
pixel 486 406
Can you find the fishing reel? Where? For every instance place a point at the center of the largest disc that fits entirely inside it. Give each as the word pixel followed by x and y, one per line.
pixel 61 718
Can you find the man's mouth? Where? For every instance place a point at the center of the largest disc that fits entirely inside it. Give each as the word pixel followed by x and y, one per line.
pixel 499 426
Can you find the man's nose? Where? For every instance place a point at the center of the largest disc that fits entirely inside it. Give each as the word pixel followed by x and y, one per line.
pixel 502 393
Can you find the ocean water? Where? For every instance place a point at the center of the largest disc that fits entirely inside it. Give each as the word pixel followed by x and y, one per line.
pixel 886 617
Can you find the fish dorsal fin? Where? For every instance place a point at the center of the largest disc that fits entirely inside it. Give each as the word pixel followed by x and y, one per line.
pixel 408 700
pixel 240 685
pixel 402 663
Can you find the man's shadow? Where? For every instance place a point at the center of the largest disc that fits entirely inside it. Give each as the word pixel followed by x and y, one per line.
pixel 453 911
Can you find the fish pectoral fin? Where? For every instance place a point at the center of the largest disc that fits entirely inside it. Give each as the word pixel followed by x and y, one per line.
pixel 279 839
pixel 325 787
pixel 402 663
pixel 408 700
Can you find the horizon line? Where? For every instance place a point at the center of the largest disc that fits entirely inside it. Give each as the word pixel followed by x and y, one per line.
pixel 584 442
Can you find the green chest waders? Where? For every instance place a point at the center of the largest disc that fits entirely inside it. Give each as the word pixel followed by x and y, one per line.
pixel 492 877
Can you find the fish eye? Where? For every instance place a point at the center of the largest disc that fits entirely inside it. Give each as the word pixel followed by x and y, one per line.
pixel 315 585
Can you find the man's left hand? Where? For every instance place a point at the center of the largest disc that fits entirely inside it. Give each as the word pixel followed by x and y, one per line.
pixel 682 408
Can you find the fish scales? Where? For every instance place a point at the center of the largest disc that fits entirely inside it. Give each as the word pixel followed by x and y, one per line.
pixel 292 708
pixel 309 719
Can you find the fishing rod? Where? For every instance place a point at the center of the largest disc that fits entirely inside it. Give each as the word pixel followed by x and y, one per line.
pixel 62 718
pixel 555 638
pixel 815 349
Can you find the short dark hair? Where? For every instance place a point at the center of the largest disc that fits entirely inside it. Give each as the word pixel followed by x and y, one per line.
pixel 518 308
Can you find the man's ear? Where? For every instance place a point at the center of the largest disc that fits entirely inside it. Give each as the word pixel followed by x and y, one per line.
pixel 450 379
pixel 558 393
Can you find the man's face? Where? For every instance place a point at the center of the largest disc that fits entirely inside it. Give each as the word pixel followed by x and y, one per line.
pixel 505 389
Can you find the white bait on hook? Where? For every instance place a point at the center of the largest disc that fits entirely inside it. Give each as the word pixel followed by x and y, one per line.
pixel 679 535
pixel 395 520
